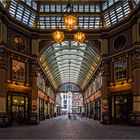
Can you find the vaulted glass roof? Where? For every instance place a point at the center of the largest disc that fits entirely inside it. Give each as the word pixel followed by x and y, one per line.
pixel 83 62
pixel 48 14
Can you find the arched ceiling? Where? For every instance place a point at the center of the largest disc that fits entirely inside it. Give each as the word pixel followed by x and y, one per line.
pixel 83 62
pixel 92 14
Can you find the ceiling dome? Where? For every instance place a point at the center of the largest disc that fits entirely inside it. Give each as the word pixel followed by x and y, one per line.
pixel 46 15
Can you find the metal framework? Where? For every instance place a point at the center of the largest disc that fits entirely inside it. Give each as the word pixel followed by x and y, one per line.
pixel 55 61
pixel 91 14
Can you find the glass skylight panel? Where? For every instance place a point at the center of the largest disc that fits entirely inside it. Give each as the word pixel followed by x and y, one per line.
pixel 86 19
pixel 86 8
pixel 81 9
pixel 53 26
pixel 41 23
pixel 58 8
pixel 119 12
pixel 97 22
pixel 91 26
pixel 80 19
pixel 52 8
pixel 19 12
pixel 26 16
pixel 42 8
pixel 113 16
pixel 92 8
pixel 32 20
pixel 28 2
pixel 97 8
pixel 75 8
pixel 47 8
pixel 34 6
pixel 107 19
pixel 110 2
pixel 63 7
pixel 58 20
pixel 126 9
pixel 12 10
pixel 31 3
pixel 104 5
pixel 13 7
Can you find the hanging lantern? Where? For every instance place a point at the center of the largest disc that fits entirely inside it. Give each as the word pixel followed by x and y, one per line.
pixel 70 22
pixel 79 37
pixel 58 36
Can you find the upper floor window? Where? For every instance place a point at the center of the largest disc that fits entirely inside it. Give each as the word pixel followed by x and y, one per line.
pixel 120 69
pixel 65 106
pixel 18 71
pixel 65 102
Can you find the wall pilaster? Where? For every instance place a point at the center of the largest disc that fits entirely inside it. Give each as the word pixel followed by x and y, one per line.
pixel 135 116
pixel 34 116
pixel 3 79
pixel 104 98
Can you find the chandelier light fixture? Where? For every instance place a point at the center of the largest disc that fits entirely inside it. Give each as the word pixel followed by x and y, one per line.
pixel 70 22
pixel 79 37
pixel 58 36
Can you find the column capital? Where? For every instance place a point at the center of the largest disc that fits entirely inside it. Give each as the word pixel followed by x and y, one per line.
pixel 34 67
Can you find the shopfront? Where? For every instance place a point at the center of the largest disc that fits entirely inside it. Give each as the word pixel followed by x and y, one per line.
pixel 41 109
pixel 18 106
pixel 97 109
pixel 121 107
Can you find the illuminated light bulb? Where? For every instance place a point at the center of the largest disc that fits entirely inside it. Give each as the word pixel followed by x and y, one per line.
pixel 58 36
pixel 70 22
pixel 79 37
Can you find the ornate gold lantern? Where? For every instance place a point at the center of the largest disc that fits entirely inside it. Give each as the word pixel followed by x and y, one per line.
pixel 58 36
pixel 70 22
pixel 79 37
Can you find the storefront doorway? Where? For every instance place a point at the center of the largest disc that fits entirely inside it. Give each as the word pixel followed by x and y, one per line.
pixel 121 107
pixel 18 109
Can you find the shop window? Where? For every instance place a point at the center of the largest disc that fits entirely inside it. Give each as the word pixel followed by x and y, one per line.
pixel 18 71
pixel 120 69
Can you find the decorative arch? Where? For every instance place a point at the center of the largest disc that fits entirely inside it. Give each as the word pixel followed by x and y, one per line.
pixel 55 60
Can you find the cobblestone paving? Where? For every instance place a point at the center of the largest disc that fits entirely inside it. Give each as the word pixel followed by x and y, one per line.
pixel 63 128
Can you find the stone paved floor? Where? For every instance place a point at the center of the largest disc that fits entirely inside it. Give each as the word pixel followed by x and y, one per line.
pixel 62 128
